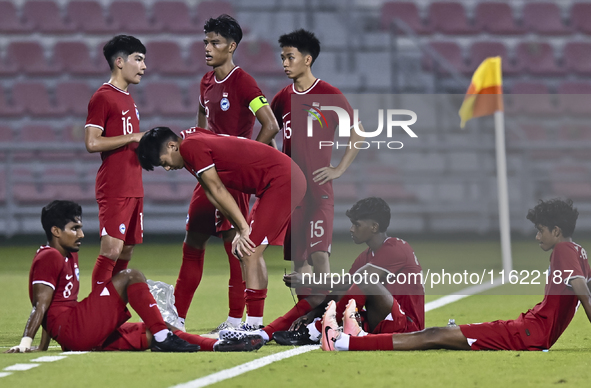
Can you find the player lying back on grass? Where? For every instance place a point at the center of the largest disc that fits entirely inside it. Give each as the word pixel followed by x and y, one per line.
pixel 98 322
pixel 537 329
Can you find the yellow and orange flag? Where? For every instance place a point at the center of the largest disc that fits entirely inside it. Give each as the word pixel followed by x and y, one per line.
pixel 487 79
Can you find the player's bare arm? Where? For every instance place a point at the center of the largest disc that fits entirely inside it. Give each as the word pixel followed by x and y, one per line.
pixel 269 128
pixel 96 142
pixel 42 296
pixel 220 197
pixel 581 289
pixel 326 174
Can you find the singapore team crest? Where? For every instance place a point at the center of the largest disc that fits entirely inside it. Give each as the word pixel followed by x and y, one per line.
pixel 225 104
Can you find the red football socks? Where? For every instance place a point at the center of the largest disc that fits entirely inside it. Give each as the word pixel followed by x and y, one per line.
pixel 205 343
pixel 142 301
pixel 189 278
pixel 283 323
pixel 372 342
pixel 120 265
pixel 236 285
pixel 255 302
pixel 103 271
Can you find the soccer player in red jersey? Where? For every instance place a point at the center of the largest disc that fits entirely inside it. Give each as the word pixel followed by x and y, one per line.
pixel 220 162
pixel 229 101
pixel 99 321
pixel 539 328
pixel 112 128
pixel 390 306
pixel 309 239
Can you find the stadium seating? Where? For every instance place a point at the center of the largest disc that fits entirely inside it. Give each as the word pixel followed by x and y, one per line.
pixel 165 98
pixel 544 19
pixel 28 188
pixel 538 59
pixel 9 20
pixel 197 58
pixel 175 16
pixel 580 17
pixel 7 109
pixel 407 12
pixel 34 98
pixel 571 181
pixel 68 184
pixel 74 58
pixel 259 58
pixel 193 92
pixel 165 58
pixel 496 18
pixel 479 51
pixel 73 97
pixel 575 98
pixel 131 17
pixel 45 16
pixel 531 98
pixel 577 57
pixel 208 9
pixel 38 133
pixel 29 57
pixel 449 18
pixel 88 16
pixel 451 52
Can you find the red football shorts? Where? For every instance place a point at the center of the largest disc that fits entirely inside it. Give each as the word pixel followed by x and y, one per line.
pixel 96 319
pixel 122 218
pixel 497 335
pixel 270 215
pixel 396 322
pixel 203 217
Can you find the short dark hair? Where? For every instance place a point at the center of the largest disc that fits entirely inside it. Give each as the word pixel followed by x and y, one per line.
pixel 372 208
pixel 150 147
pixel 555 212
pixel 59 213
pixel 305 41
pixel 122 45
pixel 226 26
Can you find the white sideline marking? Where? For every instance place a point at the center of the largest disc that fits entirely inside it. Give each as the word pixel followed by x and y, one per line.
pixel 21 367
pixel 247 367
pixel 72 353
pixel 4 374
pixel 252 365
pixel 48 359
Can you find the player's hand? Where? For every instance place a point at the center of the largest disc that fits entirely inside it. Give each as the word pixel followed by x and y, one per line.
pixel 19 349
pixel 242 245
pixel 293 279
pixel 303 320
pixel 136 137
pixel 326 174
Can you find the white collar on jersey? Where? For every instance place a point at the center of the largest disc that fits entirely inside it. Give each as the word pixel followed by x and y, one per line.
pixel 116 88
pixel 226 77
pixel 307 90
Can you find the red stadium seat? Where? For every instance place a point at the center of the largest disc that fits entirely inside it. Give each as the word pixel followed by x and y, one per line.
pixel 29 58
pixel 577 57
pixel 68 184
pixel 259 57
pixel 175 16
pixel 6 134
pixel 451 52
pixel 166 58
pixel 166 99
pixel 405 11
pixel 209 9
pixel 8 109
pixel 544 18
pixel 532 98
pixel 74 58
pixel 580 17
pixel 45 16
pixel 9 20
pixel 345 191
pixel 449 18
pixel 389 191
pixel 37 133
pixel 131 17
pixel 88 16
pixel 538 59
pixel 479 51
pixel 571 182
pixel 575 98
pixel 74 96
pixel 28 189
pixel 193 93
pixel 34 98
pixel 496 18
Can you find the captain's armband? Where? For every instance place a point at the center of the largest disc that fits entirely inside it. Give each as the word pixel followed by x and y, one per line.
pixel 257 103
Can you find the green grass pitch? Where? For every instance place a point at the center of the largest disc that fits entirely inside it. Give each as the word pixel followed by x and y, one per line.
pixel 568 363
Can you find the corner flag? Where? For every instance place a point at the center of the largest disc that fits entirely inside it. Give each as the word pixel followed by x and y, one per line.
pixel 487 79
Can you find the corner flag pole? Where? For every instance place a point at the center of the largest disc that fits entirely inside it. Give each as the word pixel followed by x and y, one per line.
pixel 485 97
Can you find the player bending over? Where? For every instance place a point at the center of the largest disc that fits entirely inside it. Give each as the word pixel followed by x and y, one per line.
pixel 98 322
pixel 244 165
pixel 537 329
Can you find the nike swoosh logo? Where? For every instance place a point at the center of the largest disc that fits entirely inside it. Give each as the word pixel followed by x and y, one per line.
pixel 99 282
pixel 316 243
pixel 328 340
pixel 124 112
pixel 206 101
pixel 153 304
pixel 69 277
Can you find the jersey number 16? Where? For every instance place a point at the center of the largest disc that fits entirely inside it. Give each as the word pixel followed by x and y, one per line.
pixel 127 125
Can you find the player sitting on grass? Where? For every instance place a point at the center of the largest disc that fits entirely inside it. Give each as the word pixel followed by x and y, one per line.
pixel 99 321
pixel 390 308
pixel 537 329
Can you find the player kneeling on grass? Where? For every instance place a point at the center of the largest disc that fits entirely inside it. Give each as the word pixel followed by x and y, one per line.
pixel 390 307
pixel 98 322
pixel 537 329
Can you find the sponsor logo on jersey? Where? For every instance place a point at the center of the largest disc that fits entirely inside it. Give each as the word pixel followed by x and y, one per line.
pixel 77 272
pixel 124 112
pixel 122 228
pixel 225 104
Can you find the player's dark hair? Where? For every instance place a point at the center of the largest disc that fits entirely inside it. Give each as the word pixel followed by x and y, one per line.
pixel 555 212
pixel 151 144
pixel 372 208
pixel 59 213
pixel 305 41
pixel 122 46
pixel 226 26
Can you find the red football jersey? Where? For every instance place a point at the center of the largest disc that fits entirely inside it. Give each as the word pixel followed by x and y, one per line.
pixel 60 273
pixel 242 164
pixel 114 112
pixel 396 256
pixel 549 318
pixel 304 150
pixel 230 104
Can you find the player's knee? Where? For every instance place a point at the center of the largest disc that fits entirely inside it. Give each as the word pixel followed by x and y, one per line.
pixel 134 275
pixel 112 251
pixel 432 335
pixel 196 240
